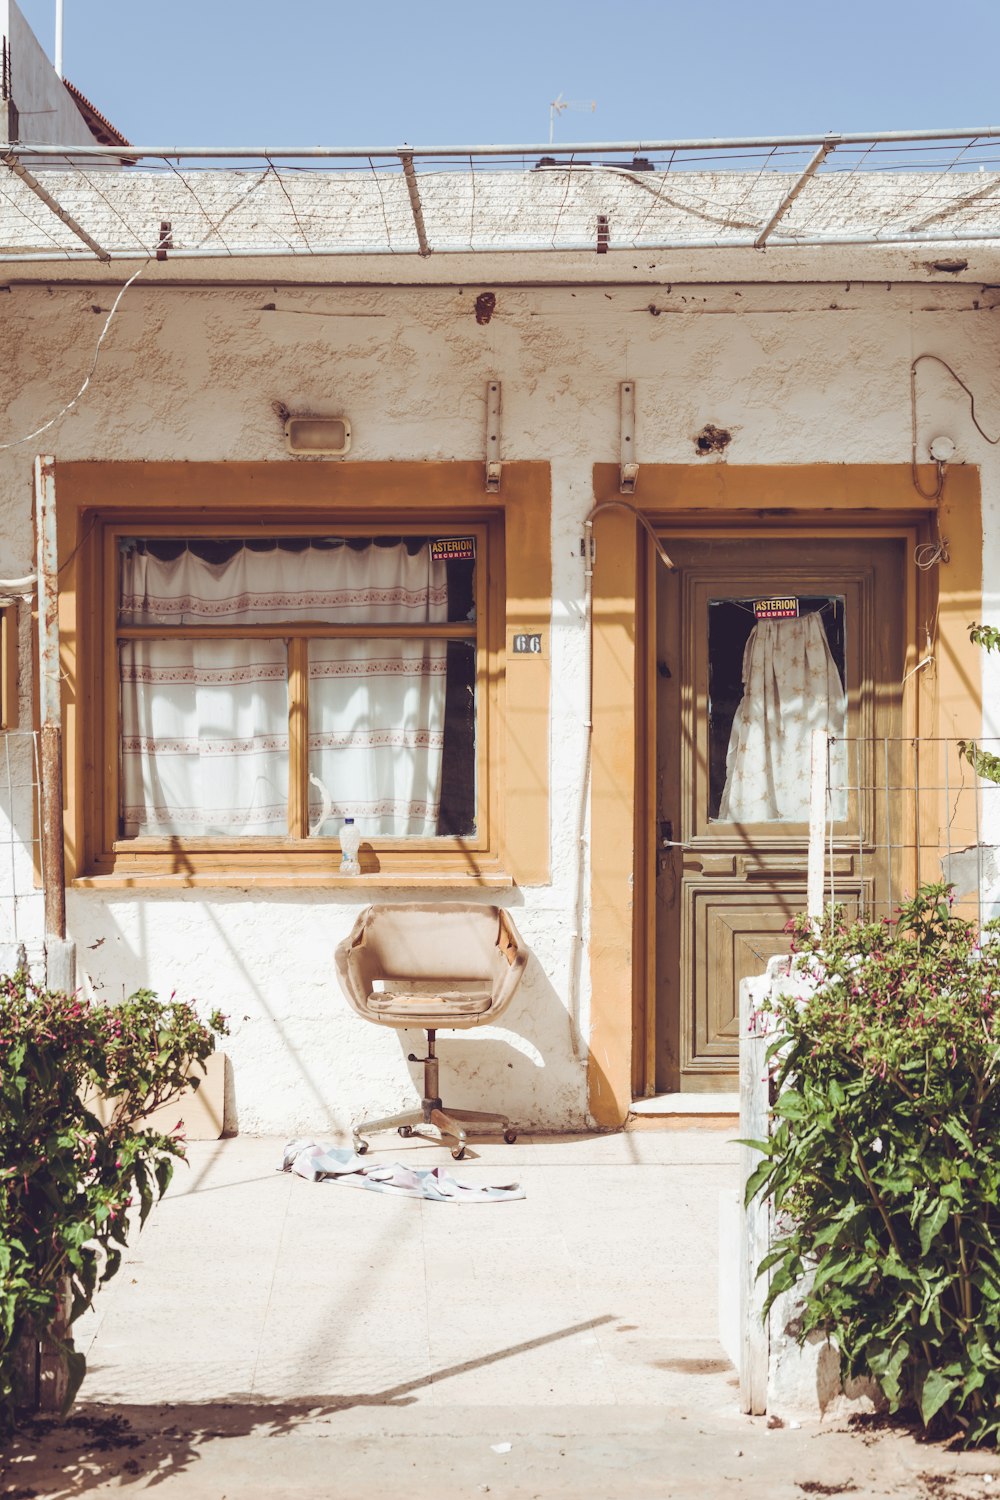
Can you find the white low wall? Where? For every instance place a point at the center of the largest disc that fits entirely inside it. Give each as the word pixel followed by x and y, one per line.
pixel 788 1380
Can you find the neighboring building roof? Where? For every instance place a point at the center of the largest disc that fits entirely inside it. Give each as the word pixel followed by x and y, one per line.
pixel 101 129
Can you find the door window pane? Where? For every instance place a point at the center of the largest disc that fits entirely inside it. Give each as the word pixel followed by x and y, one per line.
pixel 771 682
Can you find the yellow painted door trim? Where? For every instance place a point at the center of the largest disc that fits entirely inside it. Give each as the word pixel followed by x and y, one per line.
pixel 946 700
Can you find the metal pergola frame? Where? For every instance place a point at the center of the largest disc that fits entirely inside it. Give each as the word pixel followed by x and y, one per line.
pixel 16 156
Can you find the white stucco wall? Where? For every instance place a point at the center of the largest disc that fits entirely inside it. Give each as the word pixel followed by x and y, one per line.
pixel 798 374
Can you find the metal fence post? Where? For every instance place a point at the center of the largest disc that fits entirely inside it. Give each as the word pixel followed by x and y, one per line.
pixel 818 778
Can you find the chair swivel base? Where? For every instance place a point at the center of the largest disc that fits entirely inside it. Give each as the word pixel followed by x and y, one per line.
pixel 447 1122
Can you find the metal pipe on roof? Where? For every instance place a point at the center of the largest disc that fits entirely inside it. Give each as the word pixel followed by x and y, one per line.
pixel 794 191
pixel 533 247
pixel 56 208
pixel 415 205
pixel 632 148
pixel 59 38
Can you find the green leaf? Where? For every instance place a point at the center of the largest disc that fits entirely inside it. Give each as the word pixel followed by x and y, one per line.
pixel 934 1392
pixel 957 1132
pixel 771 1259
pixel 765 1146
pixel 757 1180
pixel 933 1222
pixel 782 1281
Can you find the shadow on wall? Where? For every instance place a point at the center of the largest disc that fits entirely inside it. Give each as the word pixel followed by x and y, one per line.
pixel 528 1072
pixel 508 1068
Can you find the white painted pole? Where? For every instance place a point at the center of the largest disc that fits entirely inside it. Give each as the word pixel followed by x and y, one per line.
pixel 60 953
pixel 817 823
pixel 755 1242
pixel 59 37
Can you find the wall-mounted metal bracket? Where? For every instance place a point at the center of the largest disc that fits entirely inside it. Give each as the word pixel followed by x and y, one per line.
pixel 493 464
pixel 628 472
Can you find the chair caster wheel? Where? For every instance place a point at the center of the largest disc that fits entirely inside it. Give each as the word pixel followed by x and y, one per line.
pixel 405 1130
pixel 459 1153
pixel 361 1147
pixel 510 1136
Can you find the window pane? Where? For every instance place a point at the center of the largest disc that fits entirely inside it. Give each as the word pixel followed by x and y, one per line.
pixel 331 580
pixel 771 682
pixel 204 738
pixel 392 737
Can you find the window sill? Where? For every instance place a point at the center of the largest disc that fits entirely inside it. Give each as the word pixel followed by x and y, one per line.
pixel 280 881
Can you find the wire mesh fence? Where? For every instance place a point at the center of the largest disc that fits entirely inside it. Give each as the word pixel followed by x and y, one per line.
pixel 21 897
pixel 900 813
pixel 70 202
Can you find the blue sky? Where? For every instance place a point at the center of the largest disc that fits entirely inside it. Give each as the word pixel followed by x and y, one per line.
pixel 319 72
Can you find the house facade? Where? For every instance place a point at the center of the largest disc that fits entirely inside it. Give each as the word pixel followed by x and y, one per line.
pixel 518 661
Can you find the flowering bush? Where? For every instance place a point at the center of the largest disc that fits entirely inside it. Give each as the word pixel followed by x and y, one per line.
pixel 884 1163
pixel 66 1181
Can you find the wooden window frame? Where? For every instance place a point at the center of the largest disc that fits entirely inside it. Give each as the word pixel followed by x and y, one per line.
pixel 297 637
pixel 96 503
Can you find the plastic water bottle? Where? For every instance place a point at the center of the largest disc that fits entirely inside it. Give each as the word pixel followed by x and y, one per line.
pixel 350 838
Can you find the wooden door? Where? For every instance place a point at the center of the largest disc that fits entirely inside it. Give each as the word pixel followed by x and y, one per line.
pixel 728 881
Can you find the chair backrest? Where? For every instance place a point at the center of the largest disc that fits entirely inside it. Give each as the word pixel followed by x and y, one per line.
pixel 426 942
pixel 448 945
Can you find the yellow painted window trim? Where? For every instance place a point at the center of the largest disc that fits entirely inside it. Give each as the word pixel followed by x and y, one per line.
pixel 8 667
pixel 277 880
pixel 93 498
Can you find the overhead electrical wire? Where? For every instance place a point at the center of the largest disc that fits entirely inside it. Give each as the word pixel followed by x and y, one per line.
pixel 29 436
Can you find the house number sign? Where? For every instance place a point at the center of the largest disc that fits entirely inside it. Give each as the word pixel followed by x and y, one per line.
pixel 526 643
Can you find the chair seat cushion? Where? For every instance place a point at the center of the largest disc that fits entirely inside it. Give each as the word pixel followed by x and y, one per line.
pixel 423 1009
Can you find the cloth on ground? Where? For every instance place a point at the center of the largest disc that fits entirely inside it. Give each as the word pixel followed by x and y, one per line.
pixel 342 1164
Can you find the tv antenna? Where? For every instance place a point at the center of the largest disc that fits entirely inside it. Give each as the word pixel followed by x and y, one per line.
pixel 559 106
pixel 59 38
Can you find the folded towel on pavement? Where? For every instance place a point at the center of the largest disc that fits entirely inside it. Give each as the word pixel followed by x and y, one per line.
pixel 343 1164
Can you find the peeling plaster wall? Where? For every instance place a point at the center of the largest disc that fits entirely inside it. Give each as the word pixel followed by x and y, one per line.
pixel 796 374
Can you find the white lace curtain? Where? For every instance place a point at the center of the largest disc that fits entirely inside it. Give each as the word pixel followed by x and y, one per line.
pixel 205 722
pixel 791 686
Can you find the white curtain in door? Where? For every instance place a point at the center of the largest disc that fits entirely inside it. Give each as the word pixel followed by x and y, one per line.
pixel 205 723
pixel 791 686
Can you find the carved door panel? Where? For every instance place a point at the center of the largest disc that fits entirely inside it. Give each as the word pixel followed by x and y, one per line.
pixel 740 687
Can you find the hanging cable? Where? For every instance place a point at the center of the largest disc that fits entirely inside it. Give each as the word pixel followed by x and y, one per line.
pixel 938 490
pixel 638 515
pixel 958 379
pixel 16 442
pixel 928 554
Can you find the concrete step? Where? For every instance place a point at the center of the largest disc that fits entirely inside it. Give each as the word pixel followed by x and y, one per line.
pixel 685 1112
